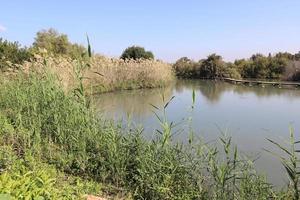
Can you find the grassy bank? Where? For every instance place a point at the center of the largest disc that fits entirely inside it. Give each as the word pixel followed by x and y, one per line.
pixel 50 137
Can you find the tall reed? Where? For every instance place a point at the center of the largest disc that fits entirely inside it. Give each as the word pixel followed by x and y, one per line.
pixel 104 74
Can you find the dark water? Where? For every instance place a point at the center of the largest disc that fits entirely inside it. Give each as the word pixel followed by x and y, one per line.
pixel 248 114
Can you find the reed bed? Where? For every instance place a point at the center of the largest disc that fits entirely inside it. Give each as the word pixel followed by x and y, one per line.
pixel 104 74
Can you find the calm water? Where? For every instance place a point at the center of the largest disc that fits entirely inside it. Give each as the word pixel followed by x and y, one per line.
pixel 248 114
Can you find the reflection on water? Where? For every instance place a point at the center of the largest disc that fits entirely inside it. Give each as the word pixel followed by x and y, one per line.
pixel 249 114
pixel 135 102
pixel 213 90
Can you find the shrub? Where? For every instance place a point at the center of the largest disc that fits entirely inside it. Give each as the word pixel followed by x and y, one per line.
pixel 186 68
pixel 11 54
pixel 136 52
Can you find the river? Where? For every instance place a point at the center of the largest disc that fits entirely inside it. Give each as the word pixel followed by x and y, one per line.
pixel 248 114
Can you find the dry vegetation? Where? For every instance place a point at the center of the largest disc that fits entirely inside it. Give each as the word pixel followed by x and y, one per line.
pixel 104 74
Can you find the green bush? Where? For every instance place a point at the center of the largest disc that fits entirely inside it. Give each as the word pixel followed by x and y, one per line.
pixel 186 68
pixel 136 52
pixel 11 53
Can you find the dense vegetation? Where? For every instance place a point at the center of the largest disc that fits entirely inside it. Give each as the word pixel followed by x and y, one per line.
pixel 136 52
pixel 102 74
pixel 56 43
pixel 46 132
pixel 282 66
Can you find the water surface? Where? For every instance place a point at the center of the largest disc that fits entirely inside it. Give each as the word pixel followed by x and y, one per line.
pixel 248 114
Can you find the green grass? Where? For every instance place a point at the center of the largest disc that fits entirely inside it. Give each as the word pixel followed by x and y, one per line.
pixel 47 134
pixel 28 178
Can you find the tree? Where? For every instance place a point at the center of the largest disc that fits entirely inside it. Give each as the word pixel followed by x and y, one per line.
pixel 136 52
pixel 57 43
pixel 212 66
pixel 11 52
pixel 276 67
pixel 285 55
pixel 52 41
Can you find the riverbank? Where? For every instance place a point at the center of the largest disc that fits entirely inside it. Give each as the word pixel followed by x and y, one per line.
pixel 43 124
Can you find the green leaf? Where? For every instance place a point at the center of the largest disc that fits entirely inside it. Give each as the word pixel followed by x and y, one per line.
pixel 289 170
pixel 89 46
pixel 281 147
pixel 193 96
pixel 169 102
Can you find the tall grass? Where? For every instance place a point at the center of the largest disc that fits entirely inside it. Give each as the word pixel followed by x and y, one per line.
pixel 39 118
pixel 105 74
pixel 290 163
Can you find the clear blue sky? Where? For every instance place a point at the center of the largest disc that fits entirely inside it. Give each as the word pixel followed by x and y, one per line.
pixel 169 28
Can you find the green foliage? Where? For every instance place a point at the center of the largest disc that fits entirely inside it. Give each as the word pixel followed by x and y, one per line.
pixel 263 67
pixel 186 68
pixel 40 123
pixel 11 53
pixel 290 163
pixel 258 66
pixel 136 52
pixel 29 179
pixel 212 66
pixel 230 71
pixel 57 44
pixel 234 176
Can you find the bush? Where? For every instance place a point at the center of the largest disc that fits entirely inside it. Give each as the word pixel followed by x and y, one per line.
pixel 11 54
pixel 186 68
pixel 136 52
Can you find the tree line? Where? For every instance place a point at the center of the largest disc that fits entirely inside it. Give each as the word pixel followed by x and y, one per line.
pixel 283 66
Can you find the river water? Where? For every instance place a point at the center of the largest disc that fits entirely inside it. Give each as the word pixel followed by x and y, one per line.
pixel 248 114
